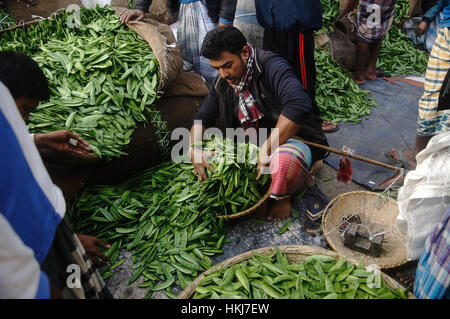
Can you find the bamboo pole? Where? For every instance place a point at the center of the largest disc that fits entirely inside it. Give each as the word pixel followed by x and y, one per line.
pixel 357 157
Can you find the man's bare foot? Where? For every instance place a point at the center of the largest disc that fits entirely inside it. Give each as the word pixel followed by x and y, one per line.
pixel 371 76
pixel 406 158
pixel 280 209
pixel 358 79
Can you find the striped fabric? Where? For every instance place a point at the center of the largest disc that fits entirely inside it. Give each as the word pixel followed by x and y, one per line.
pixel 30 204
pixel 432 31
pixel 431 121
pixel 192 26
pixel 369 29
pixel 433 271
pixel 248 113
pixel 289 167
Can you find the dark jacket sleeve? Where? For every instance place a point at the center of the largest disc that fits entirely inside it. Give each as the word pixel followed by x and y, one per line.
pixel 221 10
pixel 143 5
pixel 281 80
pixel 209 111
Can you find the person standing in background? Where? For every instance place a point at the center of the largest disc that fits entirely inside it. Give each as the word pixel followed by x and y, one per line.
pixel 289 31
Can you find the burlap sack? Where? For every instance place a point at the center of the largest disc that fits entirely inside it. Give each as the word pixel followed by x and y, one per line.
pixel 158 10
pixel 162 41
pixel 341 47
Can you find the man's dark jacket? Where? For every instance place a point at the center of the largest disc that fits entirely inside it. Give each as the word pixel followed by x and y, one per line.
pixel 301 16
pixel 224 9
pixel 269 105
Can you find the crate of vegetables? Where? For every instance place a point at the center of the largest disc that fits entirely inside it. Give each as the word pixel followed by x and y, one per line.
pixel 293 272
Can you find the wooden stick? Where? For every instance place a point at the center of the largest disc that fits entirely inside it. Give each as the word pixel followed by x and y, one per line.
pixel 357 157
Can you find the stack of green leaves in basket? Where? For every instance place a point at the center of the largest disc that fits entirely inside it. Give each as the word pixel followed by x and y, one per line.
pixel 272 276
pixel 103 78
pixel 167 218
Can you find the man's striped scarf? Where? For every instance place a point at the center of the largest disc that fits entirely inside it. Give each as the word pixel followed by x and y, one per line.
pixel 249 114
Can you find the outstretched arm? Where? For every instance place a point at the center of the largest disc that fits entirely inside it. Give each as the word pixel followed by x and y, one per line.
pixel 62 140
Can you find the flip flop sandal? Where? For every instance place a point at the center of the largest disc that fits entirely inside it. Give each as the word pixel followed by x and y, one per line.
pixel 381 74
pixel 391 158
pixel 404 161
pixel 335 129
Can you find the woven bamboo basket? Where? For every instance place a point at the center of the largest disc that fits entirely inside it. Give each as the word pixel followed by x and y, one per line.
pixel 295 253
pixel 378 215
pixel 260 205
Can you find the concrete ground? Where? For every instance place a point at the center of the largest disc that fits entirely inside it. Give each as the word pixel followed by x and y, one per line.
pixel 327 182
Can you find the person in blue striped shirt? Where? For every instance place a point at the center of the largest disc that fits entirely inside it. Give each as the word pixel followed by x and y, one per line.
pixel 37 245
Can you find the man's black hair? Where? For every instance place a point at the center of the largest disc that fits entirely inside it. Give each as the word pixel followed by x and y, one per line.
pixel 226 38
pixel 23 76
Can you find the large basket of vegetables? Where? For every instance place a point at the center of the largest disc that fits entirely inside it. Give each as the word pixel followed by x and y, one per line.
pixel 296 272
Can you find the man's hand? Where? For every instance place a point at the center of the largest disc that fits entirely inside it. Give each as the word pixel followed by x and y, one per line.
pixel 199 160
pixel 62 140
pixel 90 244
pixel 130 15
pixel 422 28
pixel 263 162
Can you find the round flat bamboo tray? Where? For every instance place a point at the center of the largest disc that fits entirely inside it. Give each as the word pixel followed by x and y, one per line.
pixel 295 253
pixel 261 204
pixel 378 215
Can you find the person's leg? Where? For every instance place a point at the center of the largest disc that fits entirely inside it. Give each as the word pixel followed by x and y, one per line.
pixel 374 49
pixel 361 58
pixel 299 48
pixel 289 171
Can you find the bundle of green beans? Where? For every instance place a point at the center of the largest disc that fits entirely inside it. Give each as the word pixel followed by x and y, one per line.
pixel 330 14
pixel 103 79
pixel 339 98
pixel 399 56
pixel 232 187
pixel 6 19
pixel 165 216
pixel 273 277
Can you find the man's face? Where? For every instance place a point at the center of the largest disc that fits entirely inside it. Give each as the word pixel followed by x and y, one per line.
pixel 25 106
pixel 230 66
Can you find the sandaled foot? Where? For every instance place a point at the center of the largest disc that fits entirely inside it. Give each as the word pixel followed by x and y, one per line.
pixel 329 127
pixel 371 76
pixel 358 79
pixel 280 209
pixel 406 158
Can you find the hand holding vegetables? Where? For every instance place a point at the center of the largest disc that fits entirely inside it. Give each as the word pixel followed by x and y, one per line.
pixel 199 160
pixel 62 140
pixel 90 244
